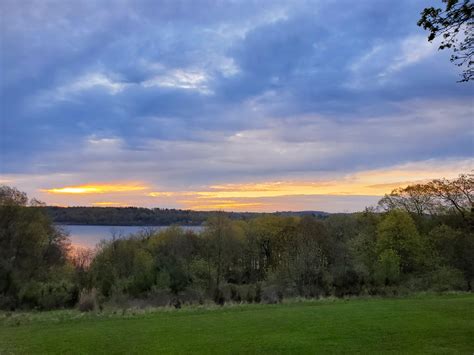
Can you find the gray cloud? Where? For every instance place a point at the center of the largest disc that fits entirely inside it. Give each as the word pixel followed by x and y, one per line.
pixel 188 92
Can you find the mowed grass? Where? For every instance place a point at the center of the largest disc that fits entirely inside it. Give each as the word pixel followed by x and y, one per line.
pixel 429 324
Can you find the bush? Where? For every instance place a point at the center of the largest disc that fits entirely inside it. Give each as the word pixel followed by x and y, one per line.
pixel 88 301
pixel 47 295
pixel 258 293
pixel 235 294
pixel 272 294
pixel 159 297
pixel 7 303
pixel 250 296
pixel 219 297
pixel 57 295
pixel 446 278
pixel 191 296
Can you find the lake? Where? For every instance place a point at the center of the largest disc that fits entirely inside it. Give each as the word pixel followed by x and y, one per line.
pixel 89 236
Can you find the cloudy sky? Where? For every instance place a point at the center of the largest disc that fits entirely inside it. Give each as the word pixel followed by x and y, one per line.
pixel 234 105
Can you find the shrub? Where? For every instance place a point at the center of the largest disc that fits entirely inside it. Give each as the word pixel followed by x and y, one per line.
pixel 258 293
pixel 159 297
pixel 272 294
pixel 250 296
pixel 219 297
pixel 191 296
pixel 56 295
pixel 235 294
pixel 7 303
pixel 88 301
pixel 47 295
pixel 446 278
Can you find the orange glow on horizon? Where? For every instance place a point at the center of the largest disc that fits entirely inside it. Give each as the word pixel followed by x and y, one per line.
pixel 96 189
pixel 295 188
pixel 265 196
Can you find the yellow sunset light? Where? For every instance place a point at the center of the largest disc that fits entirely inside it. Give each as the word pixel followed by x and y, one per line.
pixel 96 189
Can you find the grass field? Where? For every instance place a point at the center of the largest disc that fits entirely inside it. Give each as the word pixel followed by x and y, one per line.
pixel 429 324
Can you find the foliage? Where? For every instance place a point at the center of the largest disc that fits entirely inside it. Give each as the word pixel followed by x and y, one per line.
pixel 388 267
pixel 439 196
pixel 398 234
pixel 10 196
pixel 34 265
pixel 88 301
pixel 422 240
pixel 454 25
pixel 138 216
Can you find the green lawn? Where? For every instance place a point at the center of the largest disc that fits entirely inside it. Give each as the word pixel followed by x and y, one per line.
pixel 430 324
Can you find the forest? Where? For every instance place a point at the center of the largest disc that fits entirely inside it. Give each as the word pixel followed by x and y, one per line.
pixel 139 216
pixel 418 238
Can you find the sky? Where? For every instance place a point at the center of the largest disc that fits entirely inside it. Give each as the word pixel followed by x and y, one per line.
pixel 226 105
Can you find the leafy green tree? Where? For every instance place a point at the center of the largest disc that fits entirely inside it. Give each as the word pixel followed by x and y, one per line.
pixel 309 258
pixel 397 231
pixel 270 241
pixel 224 241
pixel 33 253
pixel 342 230
pixel 387 271
pixel 174 252
pixel 456 248
pixel 363 245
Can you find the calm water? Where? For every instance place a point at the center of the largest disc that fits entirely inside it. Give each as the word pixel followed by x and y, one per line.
pixel 89 236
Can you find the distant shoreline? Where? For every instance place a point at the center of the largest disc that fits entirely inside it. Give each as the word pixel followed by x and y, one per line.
pixel 147 217
pixel 125 225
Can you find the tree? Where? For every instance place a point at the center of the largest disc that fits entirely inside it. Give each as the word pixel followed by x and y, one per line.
pixel 12 196
pixel 309 258
pixel 224 243
pixel 34 265
pixel 454 195
pixel 342 230
pixel 398 232
pixel 437 197
pixel 174 250
pixel 454 25
pixel 269 238
pixel 388 267
pixel 456 248
pixel 363 246
pixel 415 199
pixel 81 259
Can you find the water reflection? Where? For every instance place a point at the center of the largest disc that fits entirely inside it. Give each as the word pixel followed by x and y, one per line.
pixel 89 236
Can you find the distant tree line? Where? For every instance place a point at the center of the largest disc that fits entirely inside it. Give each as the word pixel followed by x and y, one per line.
pixel 420 238
pixel 138 216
